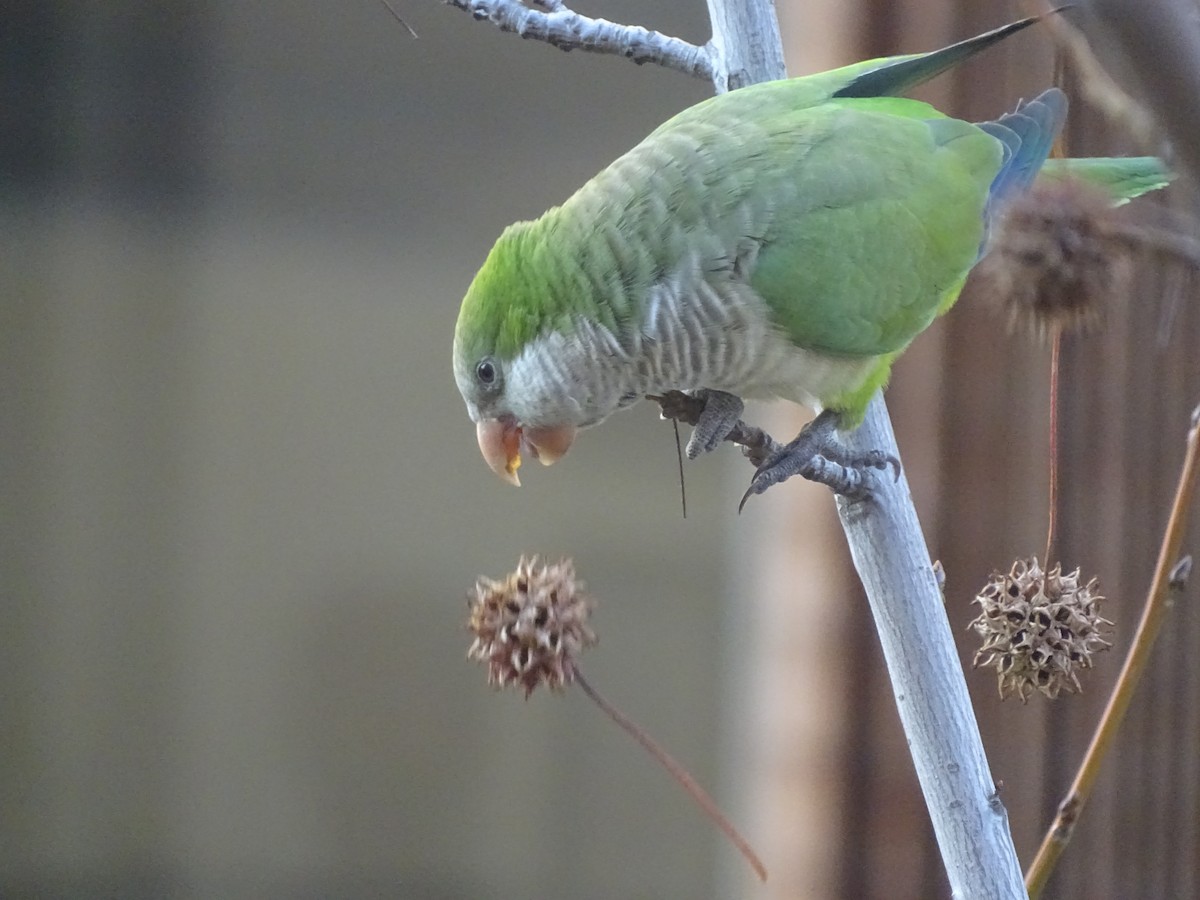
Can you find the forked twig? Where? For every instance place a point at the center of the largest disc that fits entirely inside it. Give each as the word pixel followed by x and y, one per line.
pixel 1170 576
pixel 566 29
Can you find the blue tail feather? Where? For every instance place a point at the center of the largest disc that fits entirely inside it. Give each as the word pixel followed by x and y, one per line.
pixel 1026 136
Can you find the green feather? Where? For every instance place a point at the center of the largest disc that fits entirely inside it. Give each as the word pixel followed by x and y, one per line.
pixel 896 75
pixel 853 216
pixel 1122 178
pixel 870 265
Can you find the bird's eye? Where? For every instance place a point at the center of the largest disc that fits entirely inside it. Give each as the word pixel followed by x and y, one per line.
pixel 486 371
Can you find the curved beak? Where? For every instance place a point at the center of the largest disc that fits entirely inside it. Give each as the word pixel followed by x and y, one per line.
pixel 501 441
pixel 549 445
pixel 500 444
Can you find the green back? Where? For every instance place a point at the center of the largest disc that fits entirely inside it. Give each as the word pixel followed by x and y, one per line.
pixel 814 204
pixel 827 183
pixel 868 213
pixel 892 224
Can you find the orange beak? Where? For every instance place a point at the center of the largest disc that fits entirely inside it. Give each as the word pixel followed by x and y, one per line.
pixel 501 440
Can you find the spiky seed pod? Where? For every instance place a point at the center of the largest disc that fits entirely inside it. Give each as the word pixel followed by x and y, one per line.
pixel 529 627
pixel 1055 261
pixel 1038 628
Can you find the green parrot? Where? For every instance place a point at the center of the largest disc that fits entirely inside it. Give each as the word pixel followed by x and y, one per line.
pixel 788 239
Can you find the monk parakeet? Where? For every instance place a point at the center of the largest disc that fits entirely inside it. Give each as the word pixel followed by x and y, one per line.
pixel 787 239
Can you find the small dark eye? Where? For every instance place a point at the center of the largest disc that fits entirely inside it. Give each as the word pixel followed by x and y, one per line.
pixel 486 371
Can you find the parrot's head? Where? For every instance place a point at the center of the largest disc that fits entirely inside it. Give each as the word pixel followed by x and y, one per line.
pixel 517 368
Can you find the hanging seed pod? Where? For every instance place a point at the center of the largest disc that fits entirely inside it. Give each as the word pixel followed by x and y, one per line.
pixel 1038 629
pixel 1056 261
pixel 529 627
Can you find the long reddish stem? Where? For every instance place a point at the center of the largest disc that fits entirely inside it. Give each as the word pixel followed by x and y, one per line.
pixel 1055 346
pixel 1170 577
pixel 678 772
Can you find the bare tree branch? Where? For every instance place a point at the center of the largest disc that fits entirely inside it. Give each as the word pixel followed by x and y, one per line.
pixel 1170 578
pixel 889 552
pixel 746 44
pixel 904 592
pixel 568 30
pixel 1097 85
pixel 885 537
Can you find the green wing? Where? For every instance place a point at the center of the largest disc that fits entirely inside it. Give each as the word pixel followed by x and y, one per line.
pixel 892 222
pixel 855 219
pixel 888 76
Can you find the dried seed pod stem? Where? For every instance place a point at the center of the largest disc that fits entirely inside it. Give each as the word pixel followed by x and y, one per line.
pixel 1052 499
pixel 530 627
pixel 679 773
pixel 1165 586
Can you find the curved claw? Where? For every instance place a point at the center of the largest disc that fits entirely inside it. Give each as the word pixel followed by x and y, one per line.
pixel 816 454
pixel 877 459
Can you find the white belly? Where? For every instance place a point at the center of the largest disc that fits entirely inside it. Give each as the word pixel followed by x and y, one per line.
pixel 724 340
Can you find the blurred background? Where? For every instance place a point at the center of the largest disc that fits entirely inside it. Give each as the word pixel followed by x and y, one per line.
pixel 243 503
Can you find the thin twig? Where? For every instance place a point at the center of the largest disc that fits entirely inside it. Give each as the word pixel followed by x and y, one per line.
pixel 1055 363
pixel 679 456
pixel 566 29
pixel 1170 574
pixel 396 16
pixel 1159 43
pixel 676 771
pixel 1164 241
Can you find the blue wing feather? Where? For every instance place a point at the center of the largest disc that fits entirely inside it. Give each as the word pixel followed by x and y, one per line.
pixel 1027 135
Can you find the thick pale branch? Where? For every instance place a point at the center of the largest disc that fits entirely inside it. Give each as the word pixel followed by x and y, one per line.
pixel 568 30
pixel 889 552
pixel 904 591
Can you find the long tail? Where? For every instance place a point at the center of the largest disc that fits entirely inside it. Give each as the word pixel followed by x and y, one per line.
pixel 1122 178
pixel 1027 135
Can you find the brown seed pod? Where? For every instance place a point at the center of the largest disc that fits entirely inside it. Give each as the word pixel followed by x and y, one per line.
pixel 1038 628
pixel 1057 259
pixel 529 627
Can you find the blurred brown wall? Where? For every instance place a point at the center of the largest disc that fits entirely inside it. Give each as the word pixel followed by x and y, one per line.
pixel 243 504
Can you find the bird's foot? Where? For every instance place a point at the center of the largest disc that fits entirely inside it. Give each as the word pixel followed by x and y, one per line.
pixel 720 415
pixel 676 406
pixel 818 455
